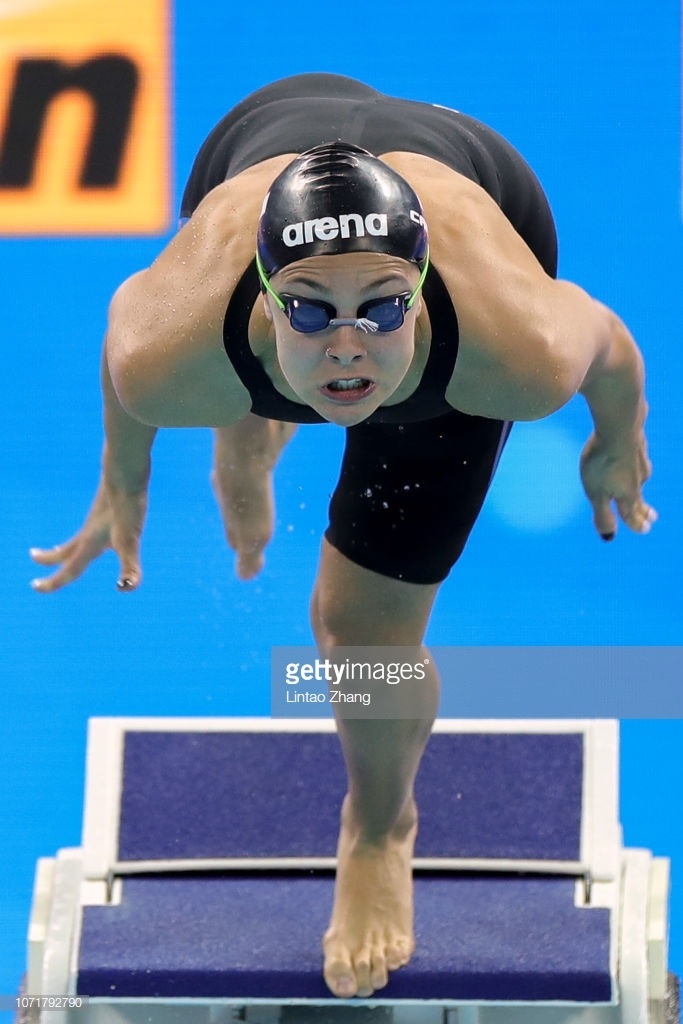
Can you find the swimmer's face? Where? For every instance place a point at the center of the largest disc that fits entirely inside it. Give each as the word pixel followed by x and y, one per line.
pixel 342 372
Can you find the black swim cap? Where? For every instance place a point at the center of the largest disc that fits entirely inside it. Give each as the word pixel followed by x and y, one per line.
pixel 338 198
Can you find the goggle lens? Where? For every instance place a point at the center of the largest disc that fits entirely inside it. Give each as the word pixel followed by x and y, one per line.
pixel 388 314
pixel 308 316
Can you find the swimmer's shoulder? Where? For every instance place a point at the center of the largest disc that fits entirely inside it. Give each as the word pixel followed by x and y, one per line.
pixel 165 331
pixel 457 209
pixel 201 265
pixel 503 298
pixel 461 217
pixel 227 217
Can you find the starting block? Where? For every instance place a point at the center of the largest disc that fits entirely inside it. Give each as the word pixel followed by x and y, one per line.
pixel 204 882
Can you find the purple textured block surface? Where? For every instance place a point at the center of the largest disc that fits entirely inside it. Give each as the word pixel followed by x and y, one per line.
pixel 258 935
pixel 231 794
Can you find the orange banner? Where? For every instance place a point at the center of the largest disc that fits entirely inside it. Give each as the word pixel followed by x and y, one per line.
pixel 85 112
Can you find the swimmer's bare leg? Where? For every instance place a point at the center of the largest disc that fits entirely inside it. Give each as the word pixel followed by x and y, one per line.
pixel 243 459
pixel 371 929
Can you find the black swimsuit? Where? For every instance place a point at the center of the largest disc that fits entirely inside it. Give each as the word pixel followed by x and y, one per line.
pixel 414 475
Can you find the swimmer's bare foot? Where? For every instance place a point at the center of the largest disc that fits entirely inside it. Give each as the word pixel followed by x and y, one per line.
pixel 244 457
pixel 371 930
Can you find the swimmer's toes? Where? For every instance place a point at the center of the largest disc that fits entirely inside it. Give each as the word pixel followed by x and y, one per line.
pixel 372 971
pixel 341 979
pixel 379 974
pixel 399 953
pixel 363 970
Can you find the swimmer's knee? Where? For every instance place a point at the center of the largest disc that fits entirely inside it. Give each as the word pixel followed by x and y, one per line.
pixel 352 606
pixel 321 623
pixel 332 619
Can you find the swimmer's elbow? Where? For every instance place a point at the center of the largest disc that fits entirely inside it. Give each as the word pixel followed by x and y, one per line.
pixel 546 383
pixel 554 376
pixel 572 346
pixel 507 386
pixel 131 368
pixel 555 391
pixel 129 381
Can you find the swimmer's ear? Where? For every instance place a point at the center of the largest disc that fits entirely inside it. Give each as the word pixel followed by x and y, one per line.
pixel 266 307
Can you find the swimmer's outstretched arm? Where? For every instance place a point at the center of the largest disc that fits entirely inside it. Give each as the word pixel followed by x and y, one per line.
pixel 116 517
pixel 529 343
pixel 581 347
pixel 163 365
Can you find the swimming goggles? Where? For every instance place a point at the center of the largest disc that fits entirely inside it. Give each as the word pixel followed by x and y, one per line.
pixel 308 316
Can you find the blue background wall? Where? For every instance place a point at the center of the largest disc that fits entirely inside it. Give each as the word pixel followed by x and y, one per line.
pixel 590 94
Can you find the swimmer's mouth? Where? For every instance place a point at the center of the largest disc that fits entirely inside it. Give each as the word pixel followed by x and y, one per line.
pixel 348 389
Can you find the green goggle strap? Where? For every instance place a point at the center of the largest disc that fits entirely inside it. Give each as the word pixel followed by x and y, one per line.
pixel 266 283
pixel 421 281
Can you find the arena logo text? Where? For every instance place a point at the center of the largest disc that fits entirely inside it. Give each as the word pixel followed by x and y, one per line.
pixel 325 229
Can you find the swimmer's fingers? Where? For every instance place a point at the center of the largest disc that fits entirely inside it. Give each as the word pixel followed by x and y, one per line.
pixel 613 484
pixel 637 515
pixel 52 556
pixel 630 477
pixel 73 558
pixel 49 557
pixel 604 518
pixel 115 522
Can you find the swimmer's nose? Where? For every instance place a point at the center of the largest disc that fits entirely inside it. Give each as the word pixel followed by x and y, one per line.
pixel 347 346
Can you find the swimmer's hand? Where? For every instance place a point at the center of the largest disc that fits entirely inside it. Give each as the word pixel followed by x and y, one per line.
pixel 613 475
pixel 115 521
